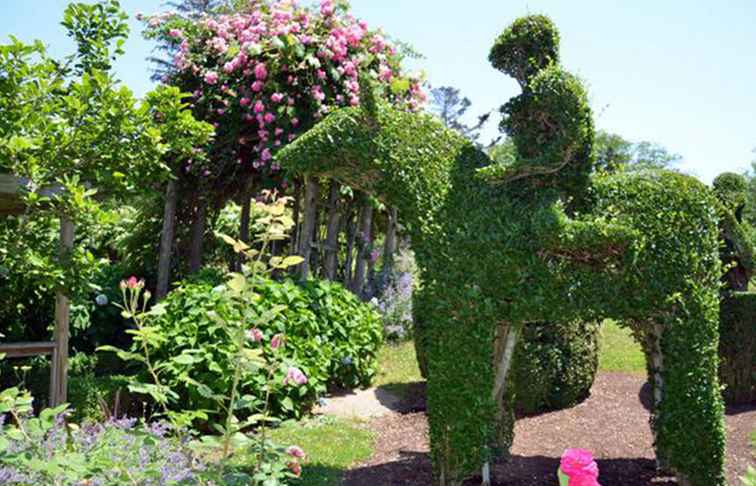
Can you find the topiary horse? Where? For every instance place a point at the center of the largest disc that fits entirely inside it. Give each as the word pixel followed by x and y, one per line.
pixel 538 240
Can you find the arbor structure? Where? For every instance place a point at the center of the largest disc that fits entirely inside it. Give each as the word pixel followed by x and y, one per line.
pixel 538 239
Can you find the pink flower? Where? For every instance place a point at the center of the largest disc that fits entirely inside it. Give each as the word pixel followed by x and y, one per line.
pixel 295 122
pixel 257 86
pixel 261 72
pixel 266 156
pixel 174 33
pixel 245 101
pixel 269 118
pixel 211 77
pixel 255 335
pixel 326 8
pixel 295 376
pixel 385 73
pixel 296 451
pixel 579 466
pixel 132 283
pixel 259 107
pixel 295 468
pixel 278 339
pixel 277 97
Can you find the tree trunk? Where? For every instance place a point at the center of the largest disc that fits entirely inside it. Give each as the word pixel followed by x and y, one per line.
pixel 507 336
pixel 363 245
pixel 331 247
pixel 312 193
pixel 198 235
pixel 166 240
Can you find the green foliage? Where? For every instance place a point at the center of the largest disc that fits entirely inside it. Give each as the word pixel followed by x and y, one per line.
pixel 611 152
pixel 731 189
pixel 332 336
pixel 554 365
pixel 526 47
pixel 499 246
pixel 737 347
pixel 94 27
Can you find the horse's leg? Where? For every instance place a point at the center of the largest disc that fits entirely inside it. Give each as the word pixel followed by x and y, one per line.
pixel 461 411
pixel 688 412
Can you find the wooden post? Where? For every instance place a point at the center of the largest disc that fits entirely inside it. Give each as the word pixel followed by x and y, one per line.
pixel 166 240
pixel 331 247
pixel 62 317
pixel 312 194
pixel 364 247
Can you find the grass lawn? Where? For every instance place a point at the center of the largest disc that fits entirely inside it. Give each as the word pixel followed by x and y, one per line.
pixel 397 367
pixel 332 446
pixel 618 351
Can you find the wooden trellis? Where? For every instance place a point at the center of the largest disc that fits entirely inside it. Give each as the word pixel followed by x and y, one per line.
pixel 57 349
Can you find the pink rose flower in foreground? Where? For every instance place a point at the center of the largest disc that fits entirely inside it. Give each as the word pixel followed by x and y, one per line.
pixel 295 376
pixel 578 465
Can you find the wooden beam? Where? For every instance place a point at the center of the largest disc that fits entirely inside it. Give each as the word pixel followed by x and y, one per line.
pixel 62 319
pixel 10 201
pixel 25 350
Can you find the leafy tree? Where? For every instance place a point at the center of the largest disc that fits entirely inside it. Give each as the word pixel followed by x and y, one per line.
pixel 448 104
pixel 612 151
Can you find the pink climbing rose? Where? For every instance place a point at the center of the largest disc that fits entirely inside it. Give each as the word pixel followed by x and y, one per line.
pixel 211 77
pixel 577 468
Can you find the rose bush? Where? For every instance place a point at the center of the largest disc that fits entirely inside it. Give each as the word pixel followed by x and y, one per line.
pixel 268 73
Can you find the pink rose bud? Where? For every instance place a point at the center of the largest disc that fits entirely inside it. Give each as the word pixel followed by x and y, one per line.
pixel 255 335
pixel 296 451
pixel 278 339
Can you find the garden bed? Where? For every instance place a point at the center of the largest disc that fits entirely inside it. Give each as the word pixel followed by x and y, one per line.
pixel 613 423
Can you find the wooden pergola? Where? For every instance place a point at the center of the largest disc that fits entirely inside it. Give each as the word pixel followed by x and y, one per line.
pixel 11 203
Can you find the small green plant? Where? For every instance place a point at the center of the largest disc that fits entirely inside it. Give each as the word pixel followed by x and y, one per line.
pixel 232 412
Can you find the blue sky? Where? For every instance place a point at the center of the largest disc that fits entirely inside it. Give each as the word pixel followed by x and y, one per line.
pixel 679 73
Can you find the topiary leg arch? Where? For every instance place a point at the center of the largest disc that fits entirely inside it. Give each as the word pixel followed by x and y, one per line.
pixel 541 239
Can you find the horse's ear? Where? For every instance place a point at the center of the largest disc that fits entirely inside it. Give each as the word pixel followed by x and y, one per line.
pixel 527 46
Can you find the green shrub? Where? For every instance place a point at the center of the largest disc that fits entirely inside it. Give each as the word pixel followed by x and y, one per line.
pixel 554 365
pixel 737 347
pixel 330 334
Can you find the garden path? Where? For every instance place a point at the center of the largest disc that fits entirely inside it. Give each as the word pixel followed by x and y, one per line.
pixel 360 404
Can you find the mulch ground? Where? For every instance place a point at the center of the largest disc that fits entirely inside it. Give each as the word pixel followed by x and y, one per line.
pixel 612 422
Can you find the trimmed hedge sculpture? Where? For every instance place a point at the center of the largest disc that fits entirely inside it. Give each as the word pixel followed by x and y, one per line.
pixel 499 247
pixel 737 315
pixel 554 365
